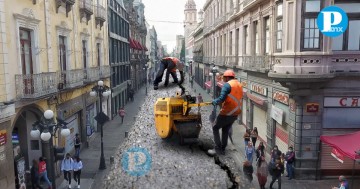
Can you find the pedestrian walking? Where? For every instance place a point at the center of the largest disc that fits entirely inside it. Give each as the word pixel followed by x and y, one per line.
pixel 67 167
pixel 231 97
pixel 262 171
pixel 43 171
pixel 77 143
pixel 34 172
pixel 290 159
pixel 277 170
pixel 248 170
pixel 254 135
pixel 200 98
pixel 122 114
pixel 260 151
pixel 192 81
pixel 131 94
pixel 249 152
pixel 77 166
pixel 343 183
pixel 275 153
pixel 247 137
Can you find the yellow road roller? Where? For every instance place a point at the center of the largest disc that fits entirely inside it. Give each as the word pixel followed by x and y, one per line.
pixel 172 114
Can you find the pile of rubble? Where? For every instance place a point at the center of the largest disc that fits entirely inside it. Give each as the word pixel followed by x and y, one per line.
pixel 172 165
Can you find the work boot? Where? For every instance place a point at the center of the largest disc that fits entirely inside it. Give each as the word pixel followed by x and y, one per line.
pixel 215 151
pixel 156 87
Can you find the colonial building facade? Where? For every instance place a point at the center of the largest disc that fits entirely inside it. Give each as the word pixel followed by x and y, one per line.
pixel 137 38
pixel 119 51
pixel 52 53
pixel 296 80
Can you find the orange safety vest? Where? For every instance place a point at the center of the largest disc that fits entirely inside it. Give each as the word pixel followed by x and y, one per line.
pixel 174 60
pixel 233 102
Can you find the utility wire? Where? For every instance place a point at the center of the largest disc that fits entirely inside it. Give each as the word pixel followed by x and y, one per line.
pixel 166 21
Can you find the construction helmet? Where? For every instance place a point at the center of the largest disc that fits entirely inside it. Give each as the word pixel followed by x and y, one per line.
pixel 229 73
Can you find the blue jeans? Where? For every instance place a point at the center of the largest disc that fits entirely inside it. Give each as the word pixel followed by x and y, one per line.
pixel 44 175
pixel 290 170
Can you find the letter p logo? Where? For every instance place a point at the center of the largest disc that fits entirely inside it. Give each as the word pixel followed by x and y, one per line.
pixel 329 22
pixel 136 161
pixel 332 21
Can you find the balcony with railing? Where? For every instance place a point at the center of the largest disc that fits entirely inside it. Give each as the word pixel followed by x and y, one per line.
pixel 35 85
pixel 105 71
pixel 256 63
pixel 71 79
pixel 91 74
pixel 86 9
pixel 100 15
pixel 198 58
pixel 68 5
pixel 250 3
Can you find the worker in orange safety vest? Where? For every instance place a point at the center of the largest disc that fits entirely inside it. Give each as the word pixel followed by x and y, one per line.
pixel 171 64
pixel 231 99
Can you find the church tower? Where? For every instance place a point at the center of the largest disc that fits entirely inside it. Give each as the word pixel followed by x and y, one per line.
pixel 190 21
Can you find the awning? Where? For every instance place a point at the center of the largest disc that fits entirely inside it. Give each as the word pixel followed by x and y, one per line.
pixel 132 44
pixel 139 45
pixel 345 145
pixel 257 100
pixel 208 84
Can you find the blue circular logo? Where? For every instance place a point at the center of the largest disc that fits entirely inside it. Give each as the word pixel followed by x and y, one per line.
pixel 332 21
pixel 136 161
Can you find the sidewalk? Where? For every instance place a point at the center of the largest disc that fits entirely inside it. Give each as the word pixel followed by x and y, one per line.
pixel 237 150
pixel 114 135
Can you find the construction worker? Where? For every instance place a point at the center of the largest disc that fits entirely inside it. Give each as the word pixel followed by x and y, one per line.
pixel 171 64
pixel 231 98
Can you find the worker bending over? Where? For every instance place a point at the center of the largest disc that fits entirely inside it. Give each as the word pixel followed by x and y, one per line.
pixel 171 64
pixel 231 98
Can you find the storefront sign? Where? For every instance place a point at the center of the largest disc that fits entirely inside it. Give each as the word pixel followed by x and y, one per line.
pixel 2 153
pixel 259 89
pixel 341 102
pixel 277 114
pixel 2 137
pixel 337 155
pixel 312 107
pixel 71 111
pixel 281 97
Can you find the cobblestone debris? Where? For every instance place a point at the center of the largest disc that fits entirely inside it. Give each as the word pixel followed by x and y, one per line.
pixel 173 165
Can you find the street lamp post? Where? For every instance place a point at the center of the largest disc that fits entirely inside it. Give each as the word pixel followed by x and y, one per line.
pixel 101 90
pixel 47 127
pixel 146 82
pixel 214 73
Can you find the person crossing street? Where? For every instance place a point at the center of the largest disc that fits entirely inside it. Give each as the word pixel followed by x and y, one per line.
pixel 231 98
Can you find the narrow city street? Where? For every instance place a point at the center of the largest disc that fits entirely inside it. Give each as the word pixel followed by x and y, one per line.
pixel 172 165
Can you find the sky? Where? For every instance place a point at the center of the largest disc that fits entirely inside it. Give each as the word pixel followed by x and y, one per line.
pixel 159 12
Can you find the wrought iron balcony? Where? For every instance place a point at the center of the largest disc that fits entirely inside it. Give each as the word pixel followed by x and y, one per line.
pixel 256 63
pixel 71 79
pixel 86 9
pixel 35 85
pixel 105 71
pixel 91 74
pixel 198 58
pixel 100 15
